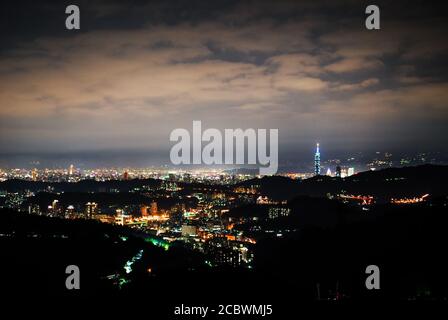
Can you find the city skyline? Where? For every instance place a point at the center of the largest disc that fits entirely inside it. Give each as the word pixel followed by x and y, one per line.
pixel 231 157
pixel 306 163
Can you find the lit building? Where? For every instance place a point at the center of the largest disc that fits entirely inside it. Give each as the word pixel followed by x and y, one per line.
pixel 276 212
pixel 121 218
pixel 34 209
pixel 91 209
pixel 34 174
pixel 154 208
pixel 220 251
pixel 70 212
pixel 71 170
pixel 70 209
pixel 317 161
pixel 188 230
pixel 350 172
pixel 266 200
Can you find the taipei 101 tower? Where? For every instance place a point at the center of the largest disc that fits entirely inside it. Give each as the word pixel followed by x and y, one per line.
pixel 317 161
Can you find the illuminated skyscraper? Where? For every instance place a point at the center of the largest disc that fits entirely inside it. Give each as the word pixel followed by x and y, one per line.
pixel 71 170
pixel 91 209
pixel 317 161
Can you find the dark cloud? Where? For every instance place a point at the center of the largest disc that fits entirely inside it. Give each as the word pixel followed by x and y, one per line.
pixel 136 71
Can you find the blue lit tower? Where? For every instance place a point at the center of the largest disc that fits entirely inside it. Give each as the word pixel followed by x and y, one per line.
pixel 317 161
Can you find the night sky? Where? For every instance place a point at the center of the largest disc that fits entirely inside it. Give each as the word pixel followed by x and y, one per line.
pixel 136 71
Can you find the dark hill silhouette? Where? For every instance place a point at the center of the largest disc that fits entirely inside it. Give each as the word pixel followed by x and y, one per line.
pixel 36 250
pixel 305 212
pixel 382 184
pixel 406 242
pixel 276 187
pixel 87 185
